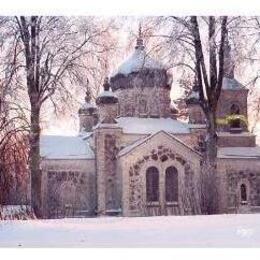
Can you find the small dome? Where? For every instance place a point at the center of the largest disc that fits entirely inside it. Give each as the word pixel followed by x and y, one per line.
pixel 139 60
pixel 107 96
pixel 87 107
pixel 140 70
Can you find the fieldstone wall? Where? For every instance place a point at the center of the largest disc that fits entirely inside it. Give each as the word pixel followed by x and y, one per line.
pixel 160 158
pixel 69 188
pixel 233 173
pixel 86 122
pixel 244 139
pixel 144 102
pixel 143 94
pixel 160 153
pixel 227 99
pixel 251 180
pixel 107 141
pixel 107 112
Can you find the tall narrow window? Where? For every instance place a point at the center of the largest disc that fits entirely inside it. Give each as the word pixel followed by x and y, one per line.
pixel 171 184
pixel 142 106
pixel 152 184
pixel 243 193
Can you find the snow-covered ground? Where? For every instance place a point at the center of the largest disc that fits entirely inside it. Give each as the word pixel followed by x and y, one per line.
pixel 179 231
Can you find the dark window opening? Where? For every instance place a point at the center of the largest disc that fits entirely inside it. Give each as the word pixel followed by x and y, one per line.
pixel 171 184
pixel 152 184
pixel 243 192
pixel 234 110
pixel 143 106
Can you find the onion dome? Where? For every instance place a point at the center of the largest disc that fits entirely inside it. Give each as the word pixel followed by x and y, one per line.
pixel 107 96
pixel 87 107
pixel 139 64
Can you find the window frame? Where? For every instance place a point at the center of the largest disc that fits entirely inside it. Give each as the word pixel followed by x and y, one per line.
pixel 175 185
pixel 150 190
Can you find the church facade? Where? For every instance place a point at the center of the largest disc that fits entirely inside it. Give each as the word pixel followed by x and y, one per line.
pixel 132 157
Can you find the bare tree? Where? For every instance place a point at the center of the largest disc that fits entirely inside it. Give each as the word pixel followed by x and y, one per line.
pixel 203 56
pixel 54 51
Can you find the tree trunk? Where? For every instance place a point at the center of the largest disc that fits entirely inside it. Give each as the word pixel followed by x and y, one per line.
pixel 209 169
pixel 34 162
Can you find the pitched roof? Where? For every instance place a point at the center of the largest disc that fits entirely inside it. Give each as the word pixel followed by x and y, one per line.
pixel 239 152
pixel 231 84
pixel 65 147
pixel 137 125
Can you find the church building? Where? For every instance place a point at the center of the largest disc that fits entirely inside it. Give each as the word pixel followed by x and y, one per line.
pixel 133 157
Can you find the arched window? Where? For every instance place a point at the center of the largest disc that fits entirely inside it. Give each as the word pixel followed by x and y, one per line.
pixel 152 184
pixel 243 193
pixel 171 184
pixel 234 110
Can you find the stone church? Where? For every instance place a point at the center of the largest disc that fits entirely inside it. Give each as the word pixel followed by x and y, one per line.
pixel 132 157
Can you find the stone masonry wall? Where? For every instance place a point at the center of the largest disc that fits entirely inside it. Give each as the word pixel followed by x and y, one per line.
pixel 160 153
pixel 107 140
pixel 107 112
pixel 227 99
pixel 69 188
pixel 144 102
pixel 233 173
pixel 236 140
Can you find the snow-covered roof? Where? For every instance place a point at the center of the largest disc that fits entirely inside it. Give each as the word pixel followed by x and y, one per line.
pixel 87 105
pixel 138 60
pixel 197 126
pixel 65 147
pixel 107 97
pixel 231 83
pixel 239 152
pixel 107 93
pixel 136 125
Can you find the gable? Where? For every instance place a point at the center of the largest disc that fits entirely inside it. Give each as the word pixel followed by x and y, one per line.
pixel 159 138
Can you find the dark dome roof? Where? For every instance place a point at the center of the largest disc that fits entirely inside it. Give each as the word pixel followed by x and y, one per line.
pixel 87 107
pixel 141 68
